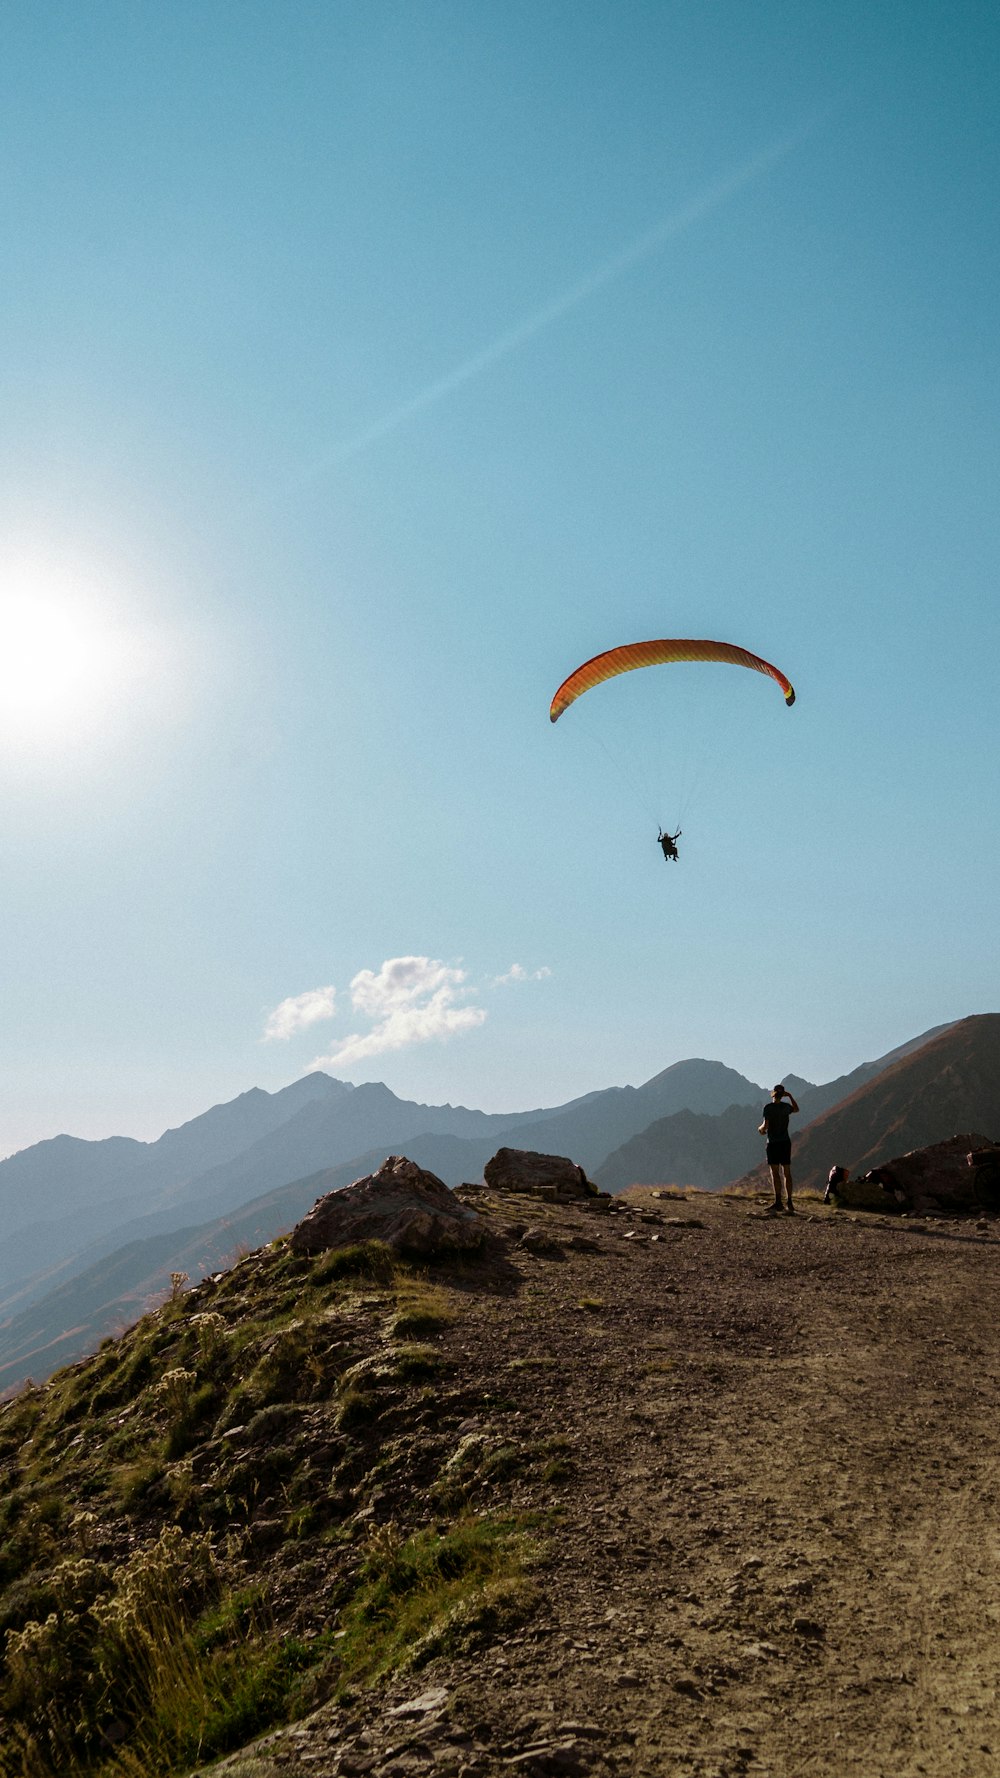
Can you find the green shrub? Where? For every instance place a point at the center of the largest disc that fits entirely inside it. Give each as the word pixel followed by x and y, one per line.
pixel 160 1658
pixel 46 1508
pixel 197 1407
pixel 252 1482
pixel 174 1388
pixel 370 1259
pixel 17 1553
pixel 267 1423
pixel 30 1596
pixel 11 1509
pixel 310 1517
pixel 136 1373
pixel 558 1469
pixel 138 1483
pixel 411 1590
pixel 239 1408
pixel 422 1309
pixel 208 1336
pixel 123 1373
pixel 505 1461
pixel 415 1362
pixel 296 1364
pixel 356 1408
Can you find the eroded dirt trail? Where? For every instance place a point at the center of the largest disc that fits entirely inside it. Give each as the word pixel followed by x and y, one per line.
pixel 777 1545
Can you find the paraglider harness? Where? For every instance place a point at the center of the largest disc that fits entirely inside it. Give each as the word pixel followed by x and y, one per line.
pixel 667 841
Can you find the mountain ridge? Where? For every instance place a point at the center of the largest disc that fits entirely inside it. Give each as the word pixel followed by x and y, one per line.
pixel 259 1141
pixel 675 1151
pixel 199 1226
pixel 950 1084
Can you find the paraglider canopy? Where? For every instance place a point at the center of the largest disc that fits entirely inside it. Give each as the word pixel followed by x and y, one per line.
pixel 652 654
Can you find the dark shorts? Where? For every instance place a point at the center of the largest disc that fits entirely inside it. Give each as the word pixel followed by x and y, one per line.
pixel 779 1154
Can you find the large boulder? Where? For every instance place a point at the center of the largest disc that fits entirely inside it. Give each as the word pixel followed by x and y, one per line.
pixel 542 1175
pixel 402 1204
pixel 938 1180
pixel 986 1187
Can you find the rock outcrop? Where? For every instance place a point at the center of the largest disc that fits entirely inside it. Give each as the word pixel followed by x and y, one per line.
pixel 402 1204
pixel 935 1180
pixel 541 1175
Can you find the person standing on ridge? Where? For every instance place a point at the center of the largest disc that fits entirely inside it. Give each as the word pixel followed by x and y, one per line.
pixel 774 1126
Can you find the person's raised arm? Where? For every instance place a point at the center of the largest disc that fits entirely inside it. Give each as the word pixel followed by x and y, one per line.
pixel 792 1102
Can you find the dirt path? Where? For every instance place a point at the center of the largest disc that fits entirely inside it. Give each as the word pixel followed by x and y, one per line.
pixel 777 1549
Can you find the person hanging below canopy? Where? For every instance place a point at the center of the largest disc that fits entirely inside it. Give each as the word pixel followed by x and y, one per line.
pixel 669 843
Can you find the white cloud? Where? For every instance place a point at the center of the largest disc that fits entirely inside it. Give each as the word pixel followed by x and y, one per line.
pixel 518 973
pixel 300 1011
pixel 409 1000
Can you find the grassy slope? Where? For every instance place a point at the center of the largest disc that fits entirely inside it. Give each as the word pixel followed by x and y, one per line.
pixel 239 1429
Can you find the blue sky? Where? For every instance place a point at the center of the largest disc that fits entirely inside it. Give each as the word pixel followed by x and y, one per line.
pixel 365 368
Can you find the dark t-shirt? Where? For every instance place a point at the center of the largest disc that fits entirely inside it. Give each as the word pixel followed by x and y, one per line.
pixel 776 1116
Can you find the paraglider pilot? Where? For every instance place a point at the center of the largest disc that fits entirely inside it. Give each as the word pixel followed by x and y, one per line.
pixel 668 842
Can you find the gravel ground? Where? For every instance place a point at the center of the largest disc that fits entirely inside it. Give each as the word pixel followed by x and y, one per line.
pixel 776 1547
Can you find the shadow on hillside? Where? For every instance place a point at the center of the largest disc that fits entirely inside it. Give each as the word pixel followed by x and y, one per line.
pixel 490 1272
pixel 945 1235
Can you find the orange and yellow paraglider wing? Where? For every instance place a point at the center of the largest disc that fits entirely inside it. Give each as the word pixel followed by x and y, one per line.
pixel 655 654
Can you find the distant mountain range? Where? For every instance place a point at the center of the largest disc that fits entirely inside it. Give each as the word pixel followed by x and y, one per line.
pixel 65 1203
pixel 95 1228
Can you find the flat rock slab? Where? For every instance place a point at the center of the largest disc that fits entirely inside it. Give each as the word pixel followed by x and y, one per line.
pixel 402 1204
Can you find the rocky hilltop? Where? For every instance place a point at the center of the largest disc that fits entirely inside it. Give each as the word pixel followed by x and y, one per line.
pixel 84 1254
pixel 647 1487
pixel 92 1230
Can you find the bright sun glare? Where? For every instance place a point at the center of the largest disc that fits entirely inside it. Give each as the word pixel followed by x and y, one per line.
pixel 67 659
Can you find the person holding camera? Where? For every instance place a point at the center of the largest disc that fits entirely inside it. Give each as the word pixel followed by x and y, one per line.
pixel 774 1126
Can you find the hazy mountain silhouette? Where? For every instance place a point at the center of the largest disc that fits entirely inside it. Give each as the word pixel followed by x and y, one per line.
pixel 686 1149
pixel 66 1203
pixel 815 1100
pixel 76 1309
pixel 324 1133
pixel 70 1170
pixel 67 1199
pixel 450 1157
pixel 196 1223
pixel 711 1151
pixel 58 1195
pixel 69 1277
pixel 589 1129
pixel 73 1316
